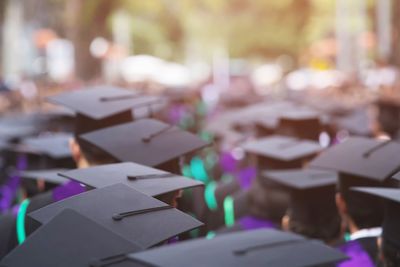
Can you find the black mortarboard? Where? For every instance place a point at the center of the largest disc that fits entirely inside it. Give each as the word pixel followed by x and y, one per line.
pixel 250 248
pixel 147 141
pixel 126 212
pixel 304 124
pixel 70 239
pixel 280 151
pixel 302 179
pixel 55 146
pixel 391 230
pixel 312 198
pixel 13 132
pixel 50 175
pixel 361 161
pixel 147 180
pixel 102 106
pixel 356 123
pixel 362 157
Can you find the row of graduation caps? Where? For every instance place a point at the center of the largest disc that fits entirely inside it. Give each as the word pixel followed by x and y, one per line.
pixel 158 143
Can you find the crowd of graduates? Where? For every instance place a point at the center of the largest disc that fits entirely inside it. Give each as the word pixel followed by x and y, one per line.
pixel 111 176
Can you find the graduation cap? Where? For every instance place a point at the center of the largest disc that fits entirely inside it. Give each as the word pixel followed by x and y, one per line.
pixel 147 180
pixel 50 175
pixel 282 151
pixel 69 239
pixel 11 132
pixel 312 198
pixel 391 231
pixel 356 123
pixel 126 212
pixel 361 161
pixel 102 106
pixel 266 125
pixel 304 124
pixel 147 141
pixel 249 248
pixel 367 158
pixel 397 176
pixel 55 146
pixel 302 179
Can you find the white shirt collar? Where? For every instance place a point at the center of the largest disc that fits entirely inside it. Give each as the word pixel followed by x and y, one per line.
pixel 363 233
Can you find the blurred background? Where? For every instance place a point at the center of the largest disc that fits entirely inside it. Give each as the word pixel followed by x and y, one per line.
pixel 60 41
pixel 218 48
pixel 230 69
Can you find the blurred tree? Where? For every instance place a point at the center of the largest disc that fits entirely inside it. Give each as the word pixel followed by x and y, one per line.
pixel 245 28
pixel 176 29
pixel 84 21
pixel 395 55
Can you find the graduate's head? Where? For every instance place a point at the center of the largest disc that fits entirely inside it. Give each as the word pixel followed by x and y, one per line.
pixel 98 108
pixel 361 162
pixel 390 254
pixel 171 198
pixel 390 240
pixel 85 154
pixel 326 228
pixel 361 210
pixel 312 213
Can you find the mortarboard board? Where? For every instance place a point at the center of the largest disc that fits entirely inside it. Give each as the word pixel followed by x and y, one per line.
pixel 249 248
pixel 147 141
pixel 147 180
pixel 55 146
pixel 126 212
pixel 50 175
pixel 282 149
pixel 362 157
pixel 302 179
pixel 14 132
pixel 70 239
pixel 391 231
pixel 356 123
pixel 102 106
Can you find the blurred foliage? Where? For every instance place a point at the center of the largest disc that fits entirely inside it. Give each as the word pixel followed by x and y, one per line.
pixel 182 29
pixel 246 28
pixel 171 29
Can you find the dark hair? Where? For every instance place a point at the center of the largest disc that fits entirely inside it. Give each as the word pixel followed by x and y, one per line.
pixel 313 213
pixel 391 254
pixel 93 154
pixel 365 210
pixel 325 227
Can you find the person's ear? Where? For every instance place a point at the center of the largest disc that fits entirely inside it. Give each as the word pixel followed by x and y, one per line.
pixel 285 223
pixel 75 150
pixel 341 204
